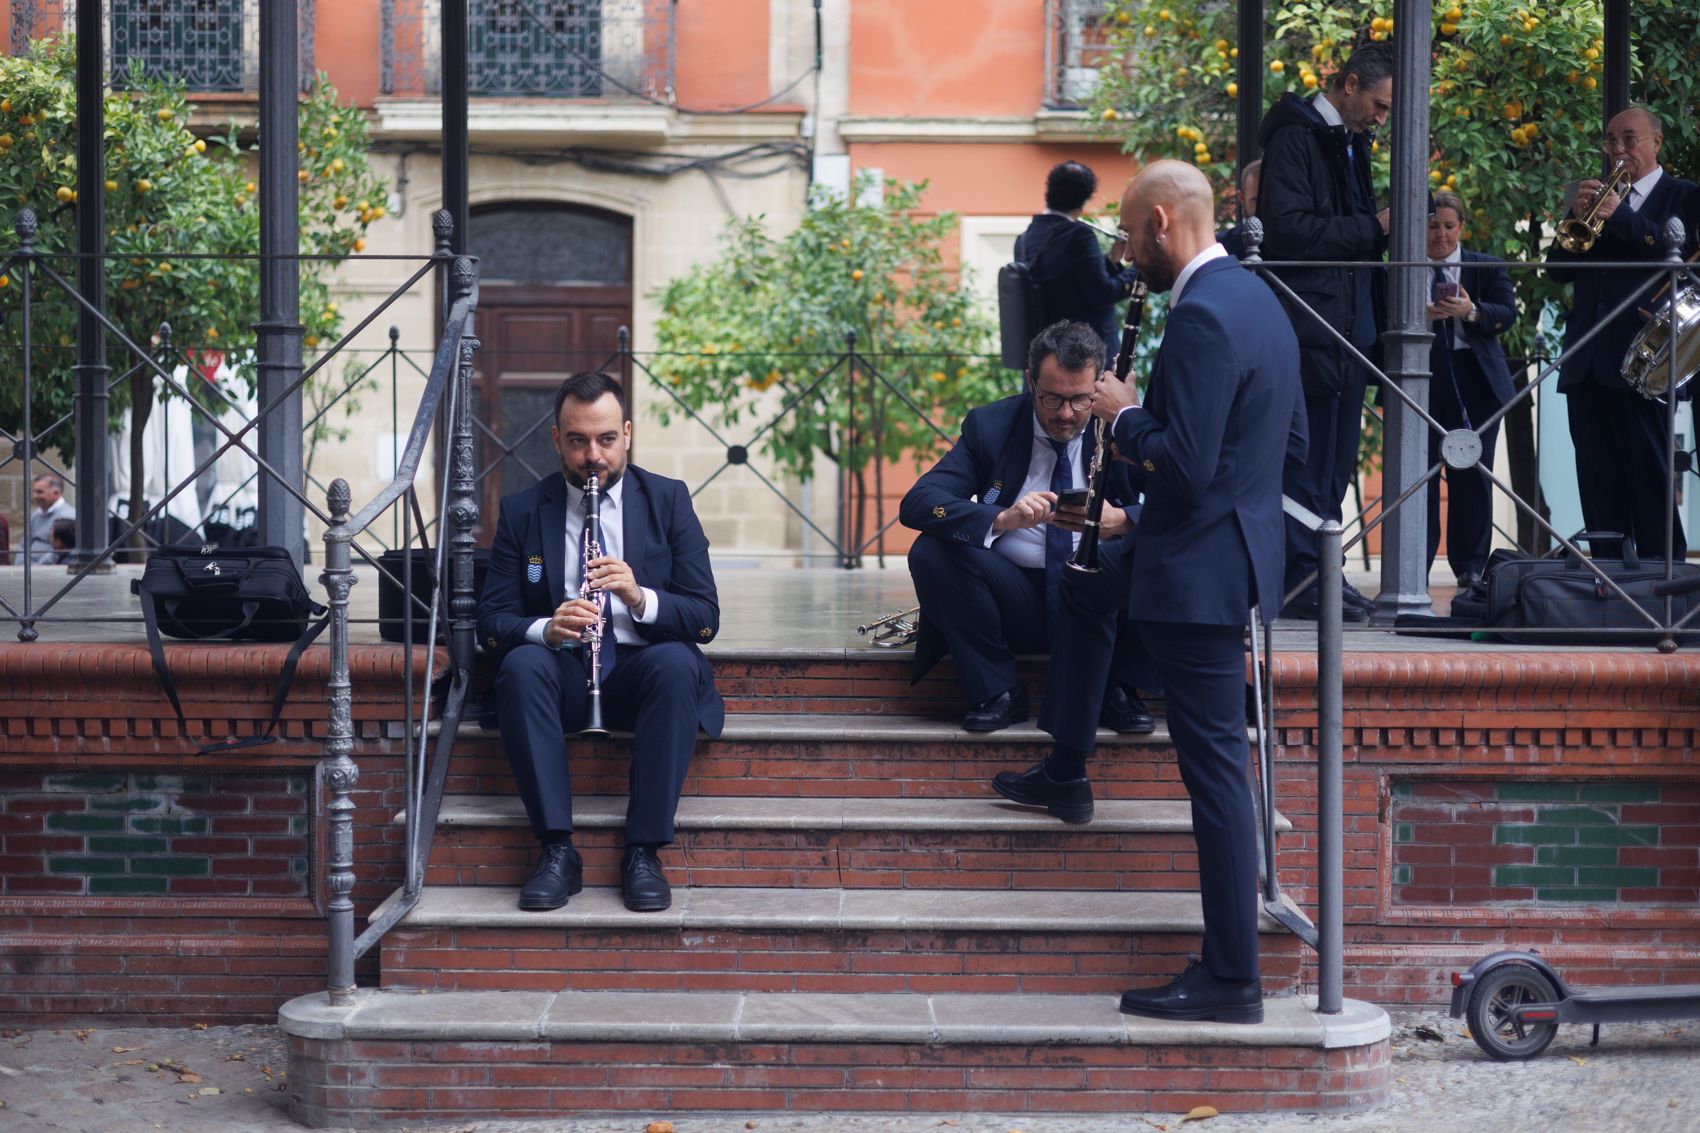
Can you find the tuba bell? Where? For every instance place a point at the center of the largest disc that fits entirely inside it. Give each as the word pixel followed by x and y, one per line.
pixel 1647 364
pixel 1576 234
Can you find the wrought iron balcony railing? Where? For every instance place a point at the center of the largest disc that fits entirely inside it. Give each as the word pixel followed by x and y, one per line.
pixel 207 45
pixel 566 49
pixel 1074 48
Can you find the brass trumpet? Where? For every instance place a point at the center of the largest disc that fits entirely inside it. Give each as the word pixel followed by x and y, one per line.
pixel 1576 234
pixel 893 631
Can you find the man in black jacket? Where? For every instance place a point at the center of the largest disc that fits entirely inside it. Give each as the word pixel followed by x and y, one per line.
pixel 1620 437
pixel 1317 203
pixel 1080 283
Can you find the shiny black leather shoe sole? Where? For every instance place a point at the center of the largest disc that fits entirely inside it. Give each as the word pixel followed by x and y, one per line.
pixel 544 904
pixel 1219 1013
pixel 1075 814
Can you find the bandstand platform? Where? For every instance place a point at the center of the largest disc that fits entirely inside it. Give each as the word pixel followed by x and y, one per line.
pixel 858 923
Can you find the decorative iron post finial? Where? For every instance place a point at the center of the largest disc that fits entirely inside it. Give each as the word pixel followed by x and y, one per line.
pixel 1253 237
pixel 1675 236
pixel 163 334
pixel 624 337
pixel 395 335
pixel 463 275
pixel 850 340
pixel 339 498
pixel 443 230
pixel 26 226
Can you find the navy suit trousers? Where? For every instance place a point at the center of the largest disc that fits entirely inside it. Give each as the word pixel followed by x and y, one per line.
pixel 987 609
pixel 1469 494
pixel 1331 461
pixel 541 696
pixel 1203 672
pixel 1621 450
pixel 1093 641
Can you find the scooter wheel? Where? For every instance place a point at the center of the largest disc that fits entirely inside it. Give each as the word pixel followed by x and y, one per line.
pixel 1492 1024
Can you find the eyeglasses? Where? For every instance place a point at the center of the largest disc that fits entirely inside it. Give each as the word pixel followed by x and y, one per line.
pixel 1055 401
pixel 1614 141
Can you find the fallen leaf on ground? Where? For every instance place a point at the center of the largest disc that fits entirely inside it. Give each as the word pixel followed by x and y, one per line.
pixel 1578 1061
pixel 199 1027
pixel 124 1049
pixel 129 1062
pixel 189 1078
pixel 82 1034
pixel 659 1127
pixel 1201 1113
pixel 236 1058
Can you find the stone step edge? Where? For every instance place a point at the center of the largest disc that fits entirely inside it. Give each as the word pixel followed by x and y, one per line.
pixel 731 908
pixel 763 812
pixel 865 727
pixel 806 1017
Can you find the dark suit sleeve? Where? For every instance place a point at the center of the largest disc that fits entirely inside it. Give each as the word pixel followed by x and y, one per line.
pixel 1497 303
pixel 1184 450
pixel 502 620
pixel 940 502
pixel 1295 226
pixel 1099 280
pixel 688 607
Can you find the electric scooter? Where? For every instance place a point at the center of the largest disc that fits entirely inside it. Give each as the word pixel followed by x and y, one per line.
pixel 1514 1001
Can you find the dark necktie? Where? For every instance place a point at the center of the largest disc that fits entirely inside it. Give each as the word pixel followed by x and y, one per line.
pixel 608 645
pixel 1059 544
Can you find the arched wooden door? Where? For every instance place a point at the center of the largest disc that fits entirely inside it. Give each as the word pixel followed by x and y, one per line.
pixel 555 287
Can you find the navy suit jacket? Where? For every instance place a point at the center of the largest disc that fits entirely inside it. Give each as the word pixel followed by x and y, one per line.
pixel 1077 279
pixel 1626 235
pixel 1488 283
pixel 960 496
pixel 661 540
pixel 1223 411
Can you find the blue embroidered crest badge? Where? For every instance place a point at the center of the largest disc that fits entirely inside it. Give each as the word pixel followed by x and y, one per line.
pixel 534 569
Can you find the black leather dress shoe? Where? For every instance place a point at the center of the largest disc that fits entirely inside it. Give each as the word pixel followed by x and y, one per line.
pixel 1352 596
pixel 999 712
pixel 642 883
pixel 1305 608
pixel 1196 994
pixel 558 876
pixel 1070 801
pixel 1125 713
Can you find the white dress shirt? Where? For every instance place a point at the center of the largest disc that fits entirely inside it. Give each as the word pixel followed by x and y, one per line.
pixel 1026 547
pixel 1451 269
pixel 613 531
pixel 1638 191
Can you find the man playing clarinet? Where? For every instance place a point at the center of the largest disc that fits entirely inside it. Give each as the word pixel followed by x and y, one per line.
pixel 661 605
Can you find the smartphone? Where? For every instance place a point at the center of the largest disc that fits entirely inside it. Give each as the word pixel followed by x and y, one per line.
pixel 1445 290
pixel 1074 497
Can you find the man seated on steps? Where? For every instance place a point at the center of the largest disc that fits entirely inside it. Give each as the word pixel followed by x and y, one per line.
pixel 988 565
pixel 655 681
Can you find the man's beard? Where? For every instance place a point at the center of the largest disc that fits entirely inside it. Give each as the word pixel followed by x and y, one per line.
pixel 604 478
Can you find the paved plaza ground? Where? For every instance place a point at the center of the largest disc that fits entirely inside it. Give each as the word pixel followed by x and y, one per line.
pixel 1644 1078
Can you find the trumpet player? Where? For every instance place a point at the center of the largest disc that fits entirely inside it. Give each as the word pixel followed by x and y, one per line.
pixel 655 682
pixel 1620 436
pixel 999 516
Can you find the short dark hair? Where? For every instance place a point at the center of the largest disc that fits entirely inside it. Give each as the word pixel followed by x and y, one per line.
pixel 1069 186
pixel 58 484
pixel 63 531
pixel 590 387
pixel 1074 345
pixel 1372 64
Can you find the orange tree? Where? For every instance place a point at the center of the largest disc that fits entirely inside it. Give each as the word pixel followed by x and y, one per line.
pixel 168 192
pixel 1514 102
pixel 747 336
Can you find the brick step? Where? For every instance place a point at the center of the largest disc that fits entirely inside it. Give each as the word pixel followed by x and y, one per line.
pixel 857 680
pixel 839 756
pixel 988 843
pixel 388 1057
pixel 732 939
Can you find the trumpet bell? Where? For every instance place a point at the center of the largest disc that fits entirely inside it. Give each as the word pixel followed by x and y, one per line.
pixel 1647 364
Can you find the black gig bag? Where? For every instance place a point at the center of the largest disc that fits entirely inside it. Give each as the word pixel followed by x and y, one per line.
pixel 1533 600
pixel 212 593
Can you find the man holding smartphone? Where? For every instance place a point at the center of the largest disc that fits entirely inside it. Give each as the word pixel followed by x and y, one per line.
pixel 999 516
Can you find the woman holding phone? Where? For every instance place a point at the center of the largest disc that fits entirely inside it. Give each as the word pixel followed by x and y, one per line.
pixel 1471 304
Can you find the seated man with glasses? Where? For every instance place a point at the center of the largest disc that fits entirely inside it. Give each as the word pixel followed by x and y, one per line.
pixel 999 515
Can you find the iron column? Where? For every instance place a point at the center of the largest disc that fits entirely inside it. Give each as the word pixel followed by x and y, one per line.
pixel 90 417
pixel 279 329
pixel 1404 534
pixel 456 148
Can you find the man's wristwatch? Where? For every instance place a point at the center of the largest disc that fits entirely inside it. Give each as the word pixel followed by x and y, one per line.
pixel 1475 315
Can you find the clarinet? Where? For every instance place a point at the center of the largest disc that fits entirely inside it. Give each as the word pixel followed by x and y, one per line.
pixel 1085 557
pixel 591 636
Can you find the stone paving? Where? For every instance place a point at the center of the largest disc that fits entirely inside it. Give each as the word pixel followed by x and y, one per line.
pixel 1643 1077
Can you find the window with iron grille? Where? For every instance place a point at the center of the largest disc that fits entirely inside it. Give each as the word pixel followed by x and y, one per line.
pixel 1074 50
pixel 535 47
pixel 196 42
